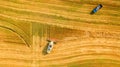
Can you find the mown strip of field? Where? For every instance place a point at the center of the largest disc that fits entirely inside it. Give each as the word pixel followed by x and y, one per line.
pixel 83 40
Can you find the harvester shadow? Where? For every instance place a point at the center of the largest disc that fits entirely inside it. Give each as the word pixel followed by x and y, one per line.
pixel 91 12
pixel 44 51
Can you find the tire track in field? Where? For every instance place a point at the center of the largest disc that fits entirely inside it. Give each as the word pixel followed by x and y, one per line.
pixel 83 49
pixel 94 44
pixel 56 58
pixel 64 17
pixel 95 22
pixel 53 57
pixel 53 24
pixel 81 58
pixel 14 54
pixel 33 63
pixel 27 10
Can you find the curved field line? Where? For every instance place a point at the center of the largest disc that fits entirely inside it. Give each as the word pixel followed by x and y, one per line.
pixel 17 34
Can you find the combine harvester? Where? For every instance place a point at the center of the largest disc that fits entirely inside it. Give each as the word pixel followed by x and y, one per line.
pixel 96 9
pixel 50 45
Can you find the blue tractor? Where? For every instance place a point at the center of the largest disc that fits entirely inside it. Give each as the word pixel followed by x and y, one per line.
pixel 96 8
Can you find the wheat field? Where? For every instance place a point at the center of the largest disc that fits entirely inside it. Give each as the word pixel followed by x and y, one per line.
pixel 83 40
